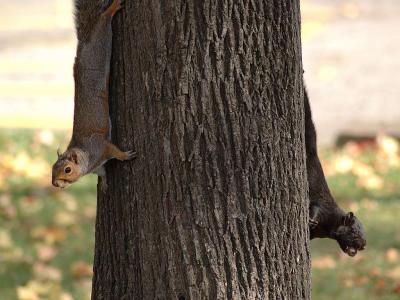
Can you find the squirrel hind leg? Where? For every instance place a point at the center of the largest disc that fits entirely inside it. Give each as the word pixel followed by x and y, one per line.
pixel 115 6
pixel 314 216
pixel 101 172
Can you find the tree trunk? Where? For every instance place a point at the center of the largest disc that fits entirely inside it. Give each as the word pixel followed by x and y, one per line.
pixel 209 93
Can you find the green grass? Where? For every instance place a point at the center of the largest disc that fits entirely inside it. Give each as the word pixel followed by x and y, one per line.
pixel 47 235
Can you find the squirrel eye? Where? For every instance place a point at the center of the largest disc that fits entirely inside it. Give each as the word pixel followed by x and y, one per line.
pixel 67 170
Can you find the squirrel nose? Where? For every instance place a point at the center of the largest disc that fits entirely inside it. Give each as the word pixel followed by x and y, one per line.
pixel 55 183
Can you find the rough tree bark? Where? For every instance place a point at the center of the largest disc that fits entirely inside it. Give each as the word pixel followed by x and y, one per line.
pixel 209 93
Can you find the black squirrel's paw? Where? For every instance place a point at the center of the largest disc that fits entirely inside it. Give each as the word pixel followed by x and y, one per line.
pixel 131 154
pixel 313 223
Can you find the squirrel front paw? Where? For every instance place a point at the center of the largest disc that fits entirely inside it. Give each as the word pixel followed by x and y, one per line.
pixel 130 154
pixel 313 223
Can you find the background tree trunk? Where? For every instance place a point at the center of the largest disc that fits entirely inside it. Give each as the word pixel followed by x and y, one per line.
pixel 209 93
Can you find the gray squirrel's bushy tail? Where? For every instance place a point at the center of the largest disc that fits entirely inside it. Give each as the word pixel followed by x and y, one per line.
pixel 86 15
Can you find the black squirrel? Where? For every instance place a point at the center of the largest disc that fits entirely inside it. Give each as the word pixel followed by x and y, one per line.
pixel 90 146
pixel 327 219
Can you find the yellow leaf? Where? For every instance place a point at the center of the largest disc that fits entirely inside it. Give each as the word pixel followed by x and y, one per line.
pixel 22 164
pixel 362 170
pixel 388 151
pixel 33 290
pixel 64 218
pixel 5 239
pixel 25 293
pixel 343 164
pixel 388 145
pixel 371 183
pixel 65 296
pixel 394 273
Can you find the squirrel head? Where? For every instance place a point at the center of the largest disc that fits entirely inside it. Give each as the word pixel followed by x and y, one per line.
pixel 68 168
pixel 350 234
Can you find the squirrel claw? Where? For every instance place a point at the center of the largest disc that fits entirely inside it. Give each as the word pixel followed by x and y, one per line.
pixel 131 154
pixel 115 6
pixel 313 223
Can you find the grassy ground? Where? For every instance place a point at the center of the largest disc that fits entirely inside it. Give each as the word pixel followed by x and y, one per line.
pixel 47 235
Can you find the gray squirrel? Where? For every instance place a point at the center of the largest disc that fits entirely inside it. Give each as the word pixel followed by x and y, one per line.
pixel 90 146
pixel 327 219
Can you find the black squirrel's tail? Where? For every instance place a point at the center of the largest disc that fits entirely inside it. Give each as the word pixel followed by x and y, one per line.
pixel 310 134
pixel 87 13
pixel 318 187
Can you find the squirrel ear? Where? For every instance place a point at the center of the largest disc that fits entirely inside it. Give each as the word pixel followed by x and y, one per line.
pixel 58 152
pixel 348 219
pixel 73 157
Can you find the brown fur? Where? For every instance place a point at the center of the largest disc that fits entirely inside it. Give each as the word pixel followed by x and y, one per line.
pixel 90 146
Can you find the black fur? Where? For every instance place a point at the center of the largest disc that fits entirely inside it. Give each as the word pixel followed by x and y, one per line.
pixel 327 219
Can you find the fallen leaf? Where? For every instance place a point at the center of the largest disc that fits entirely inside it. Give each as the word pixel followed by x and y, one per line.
pixel 5 239
pixel 397 288
pixel 394 273
pixel 324 262
pixel 50 235
pixel 343 164
pixel 361 280
pixel 388 151
pixel 45 252
pixel 46 272
pixel 375 272
pixel 81 269
pixel 22 164
pixel 353 148
pixel 392 255
pixel 33 290
pixel 30 204
pixel 26 293
pixel 65 296
pixel 362 170
pixel 371 182
pixel 388 145
pixel 89 211
pixel 380 284
pixel 64 218
pixel 348 282
pixel 7 206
